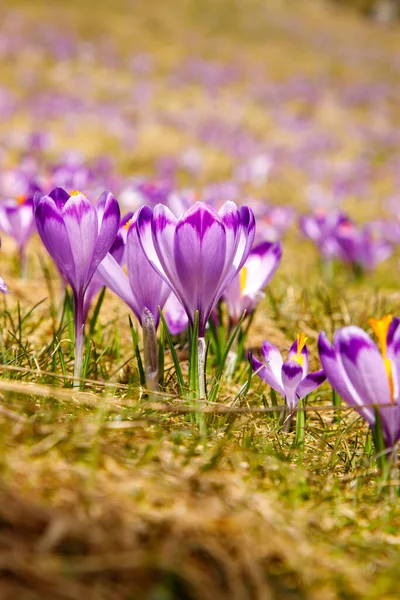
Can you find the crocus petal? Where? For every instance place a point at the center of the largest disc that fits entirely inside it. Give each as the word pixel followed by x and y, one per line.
pixel 265 373
pixel 175 315
pixel 159 247
pixel 109 216
pixel 199 255
pixel 81 223
pixel 3 286
pixel 54 235
pixel 337 376
pixel 261 266
pixel 363 364
pixel 292 374
pixel 59 196
pixel 112 275
pixel 310 383
pixel 148 287
pixel 273 359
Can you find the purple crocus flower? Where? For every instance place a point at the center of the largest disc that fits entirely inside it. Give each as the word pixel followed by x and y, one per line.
pixel 198 254
pixel 245 291
pixel 361 247
pixel 17 221
pixel 364 375
pixel 77 235
pixel 291 378
pixel 321 227
pixel 143 288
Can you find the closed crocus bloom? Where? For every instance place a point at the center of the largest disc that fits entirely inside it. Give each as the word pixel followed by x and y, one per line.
pixel 245 291
pixel 198 254
pixel 290 378
pixel 367 376
pixel 143 288
pixel 77 235
pixel 17 221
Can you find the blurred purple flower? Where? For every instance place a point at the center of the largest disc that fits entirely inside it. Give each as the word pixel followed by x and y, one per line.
pixel 245 291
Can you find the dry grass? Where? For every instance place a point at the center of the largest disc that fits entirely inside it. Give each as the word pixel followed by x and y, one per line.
pixel 104 496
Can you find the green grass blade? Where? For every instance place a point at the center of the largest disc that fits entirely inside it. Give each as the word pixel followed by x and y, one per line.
pixel 178 371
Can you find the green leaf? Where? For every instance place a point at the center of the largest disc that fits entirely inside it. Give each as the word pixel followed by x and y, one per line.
pixel 194 356
pixel 178 371
pixel 221 368
pixel 96 312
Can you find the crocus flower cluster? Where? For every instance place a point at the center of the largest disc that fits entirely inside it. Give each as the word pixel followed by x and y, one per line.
pixel 337 237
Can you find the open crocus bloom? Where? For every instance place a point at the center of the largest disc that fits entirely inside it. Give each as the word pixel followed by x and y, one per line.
pixel 365 376
pixel 198 254
pixel 246 289
pixel 291 378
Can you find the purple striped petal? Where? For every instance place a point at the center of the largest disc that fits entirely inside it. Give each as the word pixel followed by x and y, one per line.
pixel 60 197
pixel 112 276
pixel 148 287
pixel 265 373
pixel 81 223
pixel 310 383
pixel 273 359
pixel 292 374
pixel 339 380
pixel 363 364
pixel 54 235
pixel 108 215
pixel 199 254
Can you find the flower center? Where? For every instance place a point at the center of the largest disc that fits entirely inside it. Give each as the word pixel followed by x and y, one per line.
pixel 301 342
pixel 75 193
pixel 381 327
pixel 20 199
pixel 127 224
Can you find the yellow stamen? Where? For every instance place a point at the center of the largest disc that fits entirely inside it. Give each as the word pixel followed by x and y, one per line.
pixel 243 278
pixel 20 199
pixel 127 224
pixel 75 193
pixel 381 327
pixel 301 342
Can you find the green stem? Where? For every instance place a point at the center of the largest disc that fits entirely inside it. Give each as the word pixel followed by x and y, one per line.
pixel 79 338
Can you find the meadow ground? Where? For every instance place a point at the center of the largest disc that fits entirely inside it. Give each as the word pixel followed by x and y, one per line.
pixel 108 494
